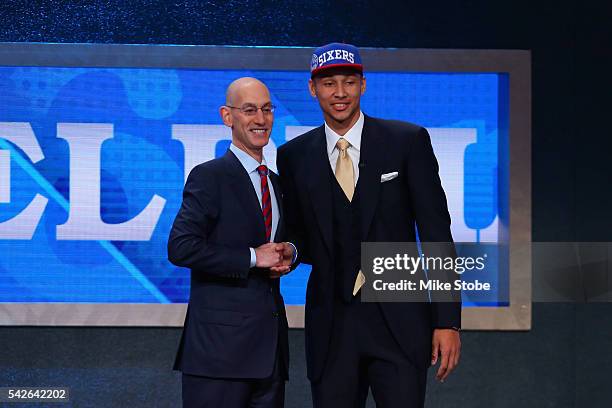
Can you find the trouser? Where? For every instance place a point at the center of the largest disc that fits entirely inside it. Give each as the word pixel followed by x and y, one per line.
pixel 364 354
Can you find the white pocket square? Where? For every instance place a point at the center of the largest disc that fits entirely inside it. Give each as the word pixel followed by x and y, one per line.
pixel 388 176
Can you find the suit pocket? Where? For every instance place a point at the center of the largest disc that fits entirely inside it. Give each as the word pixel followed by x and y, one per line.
pixel 221 317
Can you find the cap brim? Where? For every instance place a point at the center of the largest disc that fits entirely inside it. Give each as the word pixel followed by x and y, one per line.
pixel 352 67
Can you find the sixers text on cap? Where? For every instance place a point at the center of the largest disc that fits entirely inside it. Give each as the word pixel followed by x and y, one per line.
pixel 335 55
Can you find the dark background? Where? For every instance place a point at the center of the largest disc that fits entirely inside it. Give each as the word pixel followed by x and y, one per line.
pixel 564 361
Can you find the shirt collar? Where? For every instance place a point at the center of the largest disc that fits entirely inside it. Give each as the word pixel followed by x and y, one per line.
pixel 248 162
pixel 353 136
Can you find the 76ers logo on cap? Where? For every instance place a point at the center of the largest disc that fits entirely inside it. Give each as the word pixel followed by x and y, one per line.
pixel 314 62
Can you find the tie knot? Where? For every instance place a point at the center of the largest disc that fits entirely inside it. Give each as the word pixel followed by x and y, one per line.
pixel 262 170
pixel 342 144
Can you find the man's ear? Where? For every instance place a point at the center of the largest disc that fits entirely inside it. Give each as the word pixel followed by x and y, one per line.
pixel 311 87
pixel 226 116
pixel 363 85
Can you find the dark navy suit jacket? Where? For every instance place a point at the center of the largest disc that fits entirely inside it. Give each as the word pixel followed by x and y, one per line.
pixel 236 319
pixel 389 212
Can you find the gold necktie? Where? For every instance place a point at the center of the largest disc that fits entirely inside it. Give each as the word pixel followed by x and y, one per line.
pixel 345 175
pixel 344 169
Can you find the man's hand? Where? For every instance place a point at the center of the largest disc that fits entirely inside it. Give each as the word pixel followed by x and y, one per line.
pixel 284 266
pixel 445 342
pixel 276 257
pixel 268 255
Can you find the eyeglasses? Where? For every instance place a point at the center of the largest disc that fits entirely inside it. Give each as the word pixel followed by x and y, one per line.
pixel 251 110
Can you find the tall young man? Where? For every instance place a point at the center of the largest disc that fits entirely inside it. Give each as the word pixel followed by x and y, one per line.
pixel 361 179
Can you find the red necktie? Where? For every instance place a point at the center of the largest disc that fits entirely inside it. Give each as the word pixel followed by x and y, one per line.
pixel 266 202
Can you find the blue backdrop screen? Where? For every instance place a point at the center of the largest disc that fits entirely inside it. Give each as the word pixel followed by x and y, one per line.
pixel 93 162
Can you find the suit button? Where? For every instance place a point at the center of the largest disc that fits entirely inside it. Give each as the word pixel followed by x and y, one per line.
pixel 274 314
pixel 271 290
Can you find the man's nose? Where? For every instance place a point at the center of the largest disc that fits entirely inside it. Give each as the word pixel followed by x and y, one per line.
pixel 340 91
pixel 260 118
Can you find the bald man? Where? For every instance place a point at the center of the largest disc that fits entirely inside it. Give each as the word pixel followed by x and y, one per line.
pixel 228 231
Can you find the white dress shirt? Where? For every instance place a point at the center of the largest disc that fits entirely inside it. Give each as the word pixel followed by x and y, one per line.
pixel 250 165
pixel 353 136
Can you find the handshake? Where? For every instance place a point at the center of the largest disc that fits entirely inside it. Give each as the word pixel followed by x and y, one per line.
pixel 278 257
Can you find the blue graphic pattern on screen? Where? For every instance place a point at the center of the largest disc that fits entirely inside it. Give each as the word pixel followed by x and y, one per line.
pixel 141 159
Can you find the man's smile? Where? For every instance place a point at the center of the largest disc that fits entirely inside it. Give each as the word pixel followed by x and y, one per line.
pixel 342 106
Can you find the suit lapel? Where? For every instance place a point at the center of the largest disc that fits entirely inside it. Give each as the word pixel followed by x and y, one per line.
pixel 319 185
pixel 241 183
pixel 371 161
